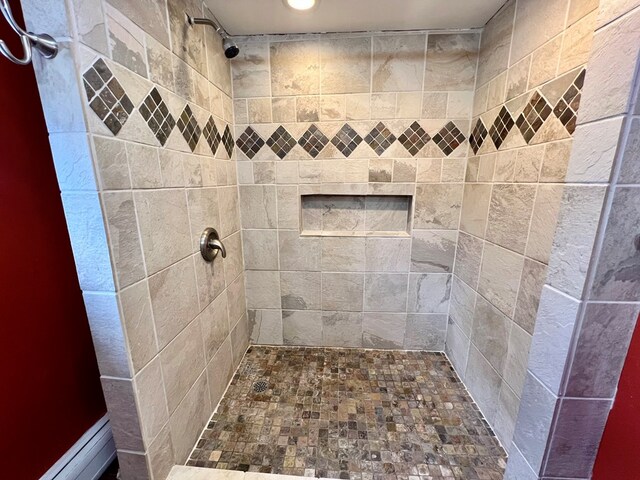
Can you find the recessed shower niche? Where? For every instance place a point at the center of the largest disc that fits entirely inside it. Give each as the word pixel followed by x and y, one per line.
pixel 337 213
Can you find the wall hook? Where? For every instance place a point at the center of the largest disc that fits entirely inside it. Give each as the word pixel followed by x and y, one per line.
pixel 43 43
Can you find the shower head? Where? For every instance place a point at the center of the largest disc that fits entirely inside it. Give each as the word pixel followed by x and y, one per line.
pixel 230 47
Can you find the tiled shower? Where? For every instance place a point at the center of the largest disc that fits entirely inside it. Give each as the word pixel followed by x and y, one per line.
pixel 409 221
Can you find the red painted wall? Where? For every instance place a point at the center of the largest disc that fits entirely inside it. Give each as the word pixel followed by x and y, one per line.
pixel 50 391
pixel 619 454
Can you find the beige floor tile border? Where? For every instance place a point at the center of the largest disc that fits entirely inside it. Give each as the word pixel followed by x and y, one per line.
pixel 181 472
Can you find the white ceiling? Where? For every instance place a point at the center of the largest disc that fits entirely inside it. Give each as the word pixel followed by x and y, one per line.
pixel 250 17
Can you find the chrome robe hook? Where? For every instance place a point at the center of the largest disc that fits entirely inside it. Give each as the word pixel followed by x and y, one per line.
pixel 43 43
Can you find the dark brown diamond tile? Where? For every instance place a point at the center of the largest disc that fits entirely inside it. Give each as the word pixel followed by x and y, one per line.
pixel 313 141
pixel 478 136
pixel 250 142
pixel 380 138
pixel 449 138
pixel 501 127
pixel 567 107
pixel 533 116
pixel 227 141
pixel 414 138
pixel 281 142
pixel 188 126
pixel 212 135
pixel 155 112
pixel 346 140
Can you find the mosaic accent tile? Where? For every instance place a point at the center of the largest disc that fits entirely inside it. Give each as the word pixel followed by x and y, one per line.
pixel 567 107
pixel 212 135
pixel 227 141
pixel 106 96
pixel 349 414
pixel 414 138
pixel 157 115
pixel 449 138
pixel 478 136
pixel 501 127
pixel 380 138
pixel 346 140
pixel 533 116
pixel 189 127
pixel 313 141
pixel 250 142
pixel 281 142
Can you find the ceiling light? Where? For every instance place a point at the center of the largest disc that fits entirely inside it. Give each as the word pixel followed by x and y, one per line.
pixel 301 4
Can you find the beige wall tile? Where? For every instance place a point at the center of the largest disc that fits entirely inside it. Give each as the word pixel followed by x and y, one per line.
pixel 345 65
pixel 543 222
pixel 343 254
pixel 429 292
pixel 496 43
pixel 500 277
pixel 138 323
pixel 342 329
pixel 302 328
pixel 342 291
pixel 152 403
pixel 576 45
pixel 263 289
pixel 475 208
pixel 260 249
pixel 437 206
pixel 451 56
pixel 490 333
pixel 300 290
pixel 383 330
pixel 123 414
pixel 385 292
pixel 250 71
pixel 544 62
pixel 259 110
pixel 510 215
pixel 398 63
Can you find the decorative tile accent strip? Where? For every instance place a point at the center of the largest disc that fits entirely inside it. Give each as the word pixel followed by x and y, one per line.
pixel 281 142
pixel 477 136
pixel 212 135
pixel 250 142
pixel 501 127
pixel 533 116
pixel 106 96
pixel 346 140
pixel 380 138
pixel 227 141
pixel 449 138
pixel 157 115
pixel 313 141
pixel 567 107
pixel 189 127
pixel 414 138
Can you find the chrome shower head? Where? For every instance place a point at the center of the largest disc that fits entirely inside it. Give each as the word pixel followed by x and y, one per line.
pixel 230 47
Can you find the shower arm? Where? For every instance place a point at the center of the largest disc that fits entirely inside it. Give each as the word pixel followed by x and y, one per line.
pixel 212 23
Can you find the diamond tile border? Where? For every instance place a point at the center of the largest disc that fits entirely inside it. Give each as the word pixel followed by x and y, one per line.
pixel 212 135
pixel 188 126
pixel 380 138
pixel 281 142
pixel 346 140
pixel 313 141
pixel 157 115
pixel 250 142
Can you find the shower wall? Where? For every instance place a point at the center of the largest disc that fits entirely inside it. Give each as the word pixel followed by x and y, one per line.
pixel 530 75
pixel 351 162
pixel 144 101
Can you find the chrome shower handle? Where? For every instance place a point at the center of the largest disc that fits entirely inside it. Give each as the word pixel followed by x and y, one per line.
pixel 210 245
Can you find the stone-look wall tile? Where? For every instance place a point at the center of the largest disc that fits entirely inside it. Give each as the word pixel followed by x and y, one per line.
pixel 265 327
pixel 263 289
pixel 460 104
pixel 451 56
pixel 606 92
pixel 475 208
pixel 72 159
pixel 517 78
pixel 123 233
pixel 342 329
pixel 555 161
pixel 517 467
pixel 240 339
pixel 383 105
pixel 468 259
pixel 504 423
pixel 495 45
pixel 300 290
pixel 342 291
pixel 174 299
pixel 483 382
pixel 302 328
pixel 209 279
pixel 258 206
pixel 576 45
pixel 616 276
pixel 126 42
pixel 387 254
pixel 438 206
pixel 250 71
pixel 144 166
pixel 532 280
pixel 107 334
pixel 189 418
pixel 138 323
pixel 602 346
pixel 260 249
pixel 576 437
pixel 577 221
pixel 409 105
pixel 490 334
pixel 233 263
pixel 229 211
pixel 385 292
pixel 333 107
pixel 219 372
pixel 298 253
pixel 186 42
pixel 456 348
pixel 308 109
pixel 510 215
pixel 556 319
pixel 358 107
pixel 383 330
pixel 433 251
pixel 160 454
pixel 152 403
pixel 429 293
pixel 236 300
pixel 345 65
pixel 629 172
pixel 515 366
pixel 543 222
pixel 535 416
pixel 425 332
pixel 434 104
pixel 214 321
pixel 463 300
pixel 527 32
pixel 259 110
pixel 182 362
pixel 111 161
pixel 150 15
pixel 123 413
pixel 386 214
pixel 398 63
pixel 500 277
pixel 164 227
pixel 544 62
pixel 343 254
pixel 295 68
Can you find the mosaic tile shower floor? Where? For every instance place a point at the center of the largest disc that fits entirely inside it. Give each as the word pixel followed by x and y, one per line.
pixel 351 414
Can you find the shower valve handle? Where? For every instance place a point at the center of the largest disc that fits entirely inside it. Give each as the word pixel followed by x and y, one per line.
pixel 210 245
